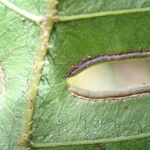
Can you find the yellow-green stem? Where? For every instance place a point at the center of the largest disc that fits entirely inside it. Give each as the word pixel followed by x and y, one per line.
pixel 46 30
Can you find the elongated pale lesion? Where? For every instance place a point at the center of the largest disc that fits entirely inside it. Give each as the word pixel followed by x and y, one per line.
pixel 111 76
pixel 22 12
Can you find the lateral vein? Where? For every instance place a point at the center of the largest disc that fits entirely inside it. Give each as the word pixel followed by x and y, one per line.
pixel 85 142
pixel 101 14
pixel 22 12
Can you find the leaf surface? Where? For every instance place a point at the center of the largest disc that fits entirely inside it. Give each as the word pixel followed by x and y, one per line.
pixel 59 117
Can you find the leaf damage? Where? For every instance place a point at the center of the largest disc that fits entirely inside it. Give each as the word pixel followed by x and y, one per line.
pixel 89 61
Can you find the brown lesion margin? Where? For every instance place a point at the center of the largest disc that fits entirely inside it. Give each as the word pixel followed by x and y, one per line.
pixel 109 95
pixel 89 61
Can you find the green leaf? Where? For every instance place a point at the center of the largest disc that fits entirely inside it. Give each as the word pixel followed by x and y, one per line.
pixel 60 120
pixel 18 43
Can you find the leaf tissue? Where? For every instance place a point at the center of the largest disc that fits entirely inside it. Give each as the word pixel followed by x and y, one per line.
pixel 45 43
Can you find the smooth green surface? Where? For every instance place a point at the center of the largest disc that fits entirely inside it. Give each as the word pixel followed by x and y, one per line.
pixel 59 117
